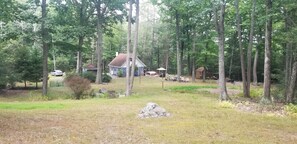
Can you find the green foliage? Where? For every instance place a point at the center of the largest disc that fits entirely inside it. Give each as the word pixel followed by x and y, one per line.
pixel 90 76
pixel 291 109
pixel 106 78
pixel 56 83
pixel 78 85
pixel 120 73
pixel 256 93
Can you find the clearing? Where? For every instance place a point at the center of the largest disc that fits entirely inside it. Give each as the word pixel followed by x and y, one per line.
pixel 196 117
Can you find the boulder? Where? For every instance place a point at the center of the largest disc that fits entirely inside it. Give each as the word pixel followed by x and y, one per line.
pixel 153 110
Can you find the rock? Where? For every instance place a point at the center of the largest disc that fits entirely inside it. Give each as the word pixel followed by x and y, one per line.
pixel 112 94
pixel 103 90
pixel 152 110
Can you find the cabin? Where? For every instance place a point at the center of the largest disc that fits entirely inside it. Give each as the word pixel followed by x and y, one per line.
pixel 117 66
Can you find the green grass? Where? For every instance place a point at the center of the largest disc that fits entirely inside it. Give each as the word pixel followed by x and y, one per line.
pixel 191 88
pixel 195 118
pixel 31 106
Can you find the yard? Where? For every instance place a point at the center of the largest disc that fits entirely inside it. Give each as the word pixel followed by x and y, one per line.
pixel 196 117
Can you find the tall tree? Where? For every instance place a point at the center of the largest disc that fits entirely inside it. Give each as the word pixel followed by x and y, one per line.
pixel 135 45
pixel 242 61
pixel 107 13
pixel 267 61
pixel 250 47
pixel 219 24
pixel 292 84
pixel 128 82
pixel 178 44
pixel 45 41
pixel 99 31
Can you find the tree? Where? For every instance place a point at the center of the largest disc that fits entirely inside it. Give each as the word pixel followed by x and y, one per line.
pixel 135 45
pixel 75 18
pixel 267 61
pixel 107 13
pixel 292 84
pixel 242 62
pixel 35 67
pixel 250 47
pixel 22 64
pixel 219 24
pixel 128 82
pixel 45 45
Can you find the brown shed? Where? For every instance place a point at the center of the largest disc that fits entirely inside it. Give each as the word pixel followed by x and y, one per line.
pixel 199 72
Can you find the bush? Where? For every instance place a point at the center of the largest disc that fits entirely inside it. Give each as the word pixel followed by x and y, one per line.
pixel 90 76
pixel 120 73
pixel 254 93
pixel 78 85
pixel 291 109
pixel 106 78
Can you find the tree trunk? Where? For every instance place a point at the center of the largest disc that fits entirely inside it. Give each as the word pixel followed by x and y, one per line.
pixel 267 61
pixel 292 84
pixel 249 53
pixel 135 45
pixel 45 38
pixel 178 57
pixel 99 44
pixel 79 55
pixel 128 91
pixel 288 65
pixel 221 40
pixel 193 59
pixel 255 77
pixel 242 62
pixel 231 63
pixel 54 59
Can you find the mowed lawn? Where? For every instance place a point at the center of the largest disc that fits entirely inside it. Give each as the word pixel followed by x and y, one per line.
pixel 196 117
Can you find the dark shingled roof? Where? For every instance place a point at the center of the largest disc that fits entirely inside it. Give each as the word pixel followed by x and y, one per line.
pixel 119 60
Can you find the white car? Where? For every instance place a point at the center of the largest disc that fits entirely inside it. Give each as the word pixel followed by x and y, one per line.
pixel 57 73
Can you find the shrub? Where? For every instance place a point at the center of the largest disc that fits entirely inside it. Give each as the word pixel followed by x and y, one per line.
pixel 291 109
pixel 90 76
pixel 254 93
pixel 78 85
pixel 106 78
pixel 120 73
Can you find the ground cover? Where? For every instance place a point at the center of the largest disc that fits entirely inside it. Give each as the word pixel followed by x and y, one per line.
pixel 196 117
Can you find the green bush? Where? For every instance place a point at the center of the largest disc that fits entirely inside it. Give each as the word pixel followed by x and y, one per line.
pixel 106 78
pixel 90 76
pixel 291 109
pixel 120 73
pixel 254 93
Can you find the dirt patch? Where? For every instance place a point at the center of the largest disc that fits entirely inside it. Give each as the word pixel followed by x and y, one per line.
pixel 254 107
pixel 7 93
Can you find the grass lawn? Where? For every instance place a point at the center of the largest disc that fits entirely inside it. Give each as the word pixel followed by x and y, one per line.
pixel 196 117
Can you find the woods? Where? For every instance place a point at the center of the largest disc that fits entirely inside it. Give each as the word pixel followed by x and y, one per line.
pixel 148 71
pixel 231 39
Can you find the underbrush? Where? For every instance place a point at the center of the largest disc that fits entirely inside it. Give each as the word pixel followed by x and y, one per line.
pixel 291 110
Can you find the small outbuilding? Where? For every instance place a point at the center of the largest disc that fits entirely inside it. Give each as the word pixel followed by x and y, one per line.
pixel 117 66
pixel 199 73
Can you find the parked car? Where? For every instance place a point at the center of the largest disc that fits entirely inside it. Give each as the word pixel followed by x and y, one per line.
pixel 57 73
pixel 151 73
